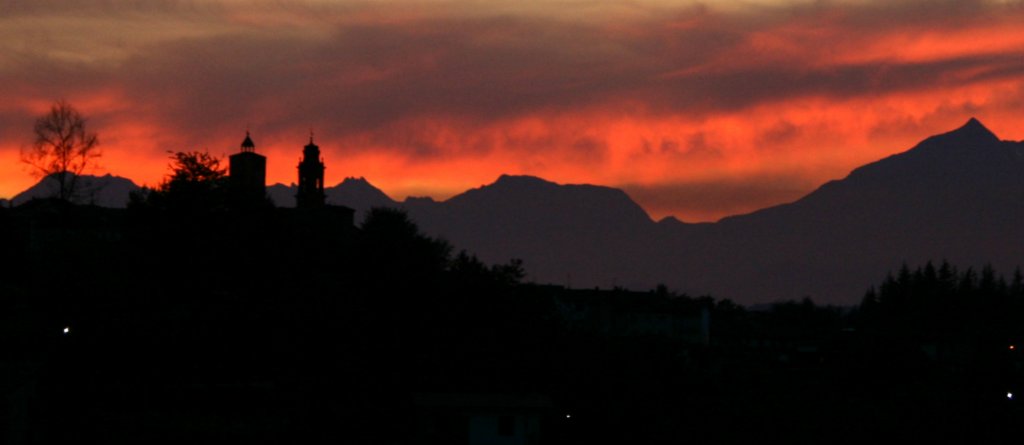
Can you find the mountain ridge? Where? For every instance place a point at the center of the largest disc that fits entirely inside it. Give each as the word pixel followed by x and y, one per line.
pixel 957 196
pixel 105 191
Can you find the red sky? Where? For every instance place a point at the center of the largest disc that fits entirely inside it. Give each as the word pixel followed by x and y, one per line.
pixel 698 110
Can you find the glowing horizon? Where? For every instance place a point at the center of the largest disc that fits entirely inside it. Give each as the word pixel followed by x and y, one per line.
pixel 696 111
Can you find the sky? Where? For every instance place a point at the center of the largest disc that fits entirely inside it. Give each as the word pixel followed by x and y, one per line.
pixel 699 110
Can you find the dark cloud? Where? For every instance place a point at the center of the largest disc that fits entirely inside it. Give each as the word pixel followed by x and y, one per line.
pixel 698 147
pixel 367 77
pixel 15 127
pixel 431 84
pixel 692 147
pixel 363 79
pixel 758 85
pixel 92 7
pixel 781 133
pixel 588 150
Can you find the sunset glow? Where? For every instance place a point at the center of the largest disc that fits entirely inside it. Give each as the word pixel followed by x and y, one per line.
pixel 697 111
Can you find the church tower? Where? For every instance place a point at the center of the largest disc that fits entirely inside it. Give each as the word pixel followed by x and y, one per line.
pixel 247 175
pixel 311 177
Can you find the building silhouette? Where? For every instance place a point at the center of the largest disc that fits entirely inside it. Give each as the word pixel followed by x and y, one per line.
pixel 311 178
pixel 248 175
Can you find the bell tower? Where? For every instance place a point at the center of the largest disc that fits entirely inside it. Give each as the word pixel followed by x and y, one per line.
pixel 247 175
pixel 311 177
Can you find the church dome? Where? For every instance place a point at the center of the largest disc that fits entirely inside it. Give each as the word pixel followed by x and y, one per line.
pixel 247 144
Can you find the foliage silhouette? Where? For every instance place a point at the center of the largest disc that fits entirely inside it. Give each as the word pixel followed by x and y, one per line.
pixel 284 327
pixel 62 148
pixel 197 182
pixel 944 302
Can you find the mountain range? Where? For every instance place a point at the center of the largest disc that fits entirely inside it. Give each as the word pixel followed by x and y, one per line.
pixel 957 196
pixel 104 191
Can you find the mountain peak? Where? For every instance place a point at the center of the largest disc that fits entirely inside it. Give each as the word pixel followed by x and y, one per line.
pixel 354 180
pixel 974 130
pixel 520 179
pixel 358 193
pixel 105 191
pixel 966 142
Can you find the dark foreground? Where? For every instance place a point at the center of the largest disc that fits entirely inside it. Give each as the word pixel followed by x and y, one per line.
pixel 269 327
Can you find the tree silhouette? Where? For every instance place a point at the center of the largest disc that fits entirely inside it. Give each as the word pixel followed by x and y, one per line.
pixel 197 169
pixel 197 182
pixel 62 149
pixel 944 303
pixel 390 238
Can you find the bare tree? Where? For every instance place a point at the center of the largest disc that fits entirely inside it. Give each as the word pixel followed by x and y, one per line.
pixel 62 149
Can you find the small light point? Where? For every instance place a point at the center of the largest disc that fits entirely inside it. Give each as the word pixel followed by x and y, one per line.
pixel 1009 396
pixel 67 329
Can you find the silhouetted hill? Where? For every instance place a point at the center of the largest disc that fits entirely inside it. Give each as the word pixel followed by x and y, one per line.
pixel 282 195
pixel 956 196
pixel 104 191
pixel 356 193
pixel 561 231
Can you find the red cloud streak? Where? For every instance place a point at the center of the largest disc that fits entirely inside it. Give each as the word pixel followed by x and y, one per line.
pixel 697 112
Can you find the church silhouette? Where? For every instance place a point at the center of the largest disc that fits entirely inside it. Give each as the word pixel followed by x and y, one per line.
pixel 247 172
pixel 311 177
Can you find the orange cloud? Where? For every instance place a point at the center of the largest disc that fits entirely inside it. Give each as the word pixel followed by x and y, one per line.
pixel 698 112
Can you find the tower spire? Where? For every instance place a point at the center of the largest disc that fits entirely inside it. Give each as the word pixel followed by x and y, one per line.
pixel 311 177
pixel 248 175
pixel 247 144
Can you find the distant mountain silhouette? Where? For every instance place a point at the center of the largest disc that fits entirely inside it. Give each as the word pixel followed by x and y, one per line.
pixel 957 196
pixel 282 195
pixel 356 193
pixel 560 230
pixel 105 191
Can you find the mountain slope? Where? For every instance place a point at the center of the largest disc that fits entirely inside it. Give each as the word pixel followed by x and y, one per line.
pixel 104 191
pixel 565 233
pixel 282 195
pixel 356 193
pixel 956 196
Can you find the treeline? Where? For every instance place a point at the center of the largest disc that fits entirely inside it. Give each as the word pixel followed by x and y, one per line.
pixel 257 325
pixel 944 302
pixel 275 325
pixel 271 325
